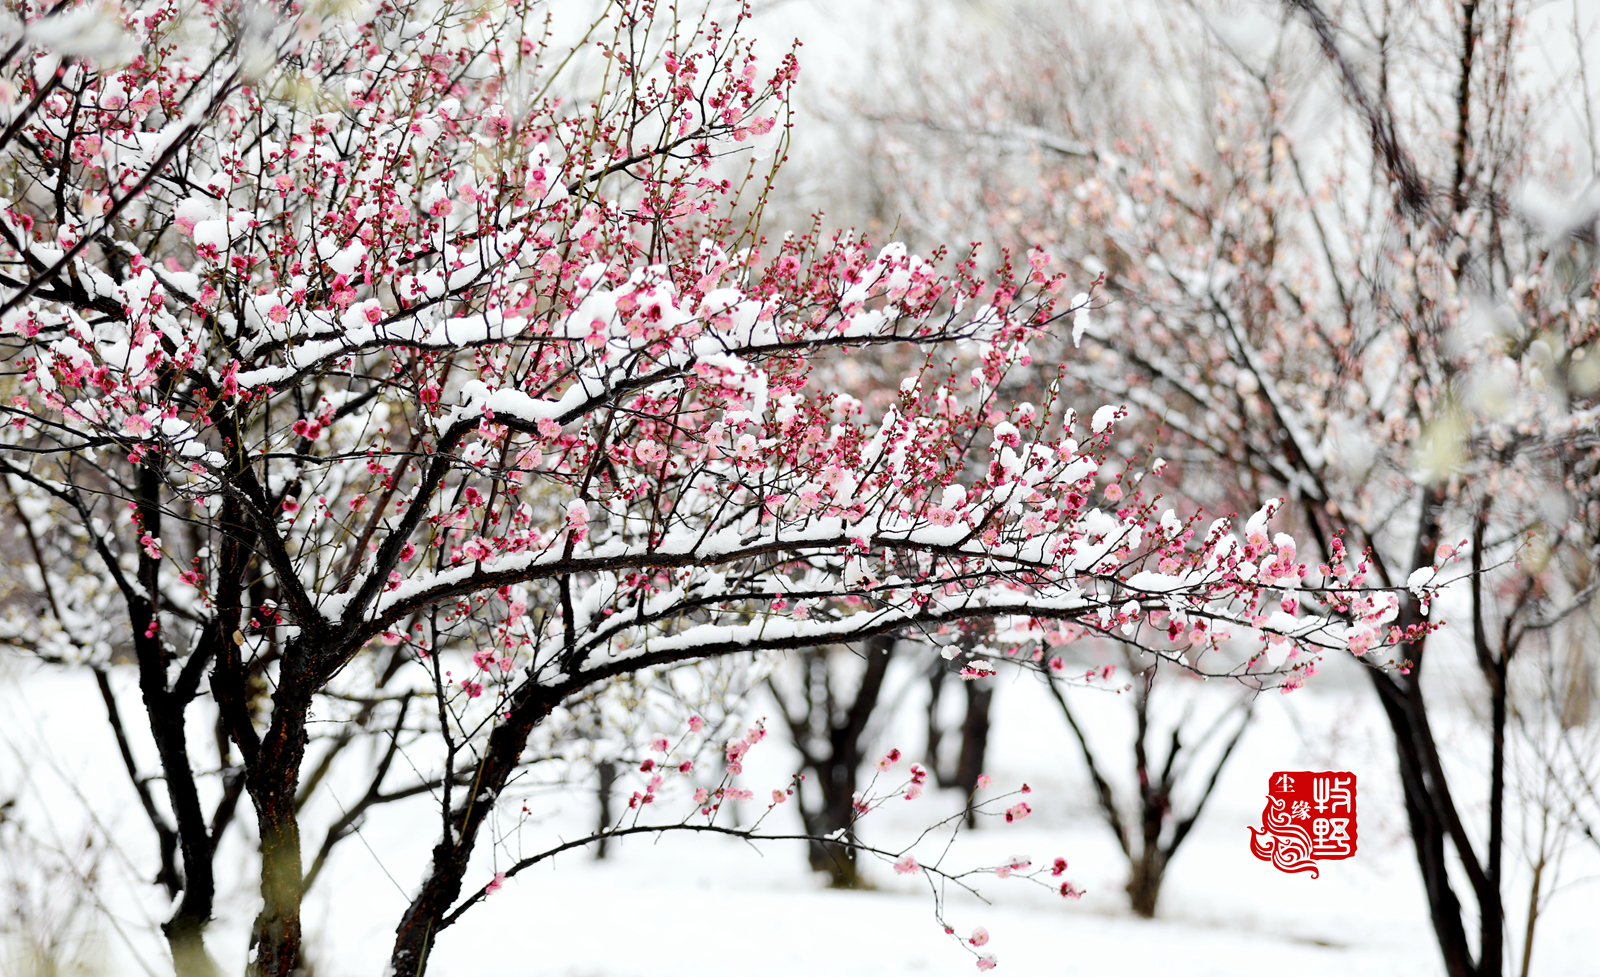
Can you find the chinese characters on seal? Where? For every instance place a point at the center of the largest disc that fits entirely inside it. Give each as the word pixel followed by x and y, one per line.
pixel 1310 817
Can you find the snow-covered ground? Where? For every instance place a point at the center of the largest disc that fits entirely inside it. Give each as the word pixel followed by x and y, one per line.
pixel 694 905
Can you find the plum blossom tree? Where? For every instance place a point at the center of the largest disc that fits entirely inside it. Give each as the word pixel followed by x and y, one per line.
pixel 357 366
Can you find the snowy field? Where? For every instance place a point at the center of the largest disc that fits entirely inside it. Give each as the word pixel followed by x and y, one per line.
pixel 683 905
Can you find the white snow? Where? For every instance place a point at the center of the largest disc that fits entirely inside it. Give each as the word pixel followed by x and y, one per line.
pixel 698 903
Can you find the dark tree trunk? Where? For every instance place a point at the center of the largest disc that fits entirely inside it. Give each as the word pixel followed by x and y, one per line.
pixel 166 706
pixel 935 736
pixel 273 782
pixel 426 916
pixel 1431 810
pixel 608 780
pixel 1428 832
pixel 974 737
pixel 838 782
pixel 821 717
pixel 1144 881
pixel 975 723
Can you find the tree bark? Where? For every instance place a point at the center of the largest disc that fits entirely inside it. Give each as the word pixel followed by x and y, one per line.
pixel 1428 834
pixel 425 916
pixel 1144 882
pixel 608 779
pixel 836 773
pixel 974 741
pixel 165 705
pixel 975 723
pixel 273 782
pixel 1430 809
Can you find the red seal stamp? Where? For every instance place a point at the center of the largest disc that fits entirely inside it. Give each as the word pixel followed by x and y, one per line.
pixel 1310 817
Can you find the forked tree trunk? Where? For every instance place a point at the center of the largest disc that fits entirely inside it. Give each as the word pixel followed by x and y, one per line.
pixel 834 773
pixel 1150 844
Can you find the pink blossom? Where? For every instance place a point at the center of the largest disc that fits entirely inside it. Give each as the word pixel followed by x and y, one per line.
pixel 1017 812
pixel 987 962
pixel 1018 863
pixel 1360 642
pixel 979 936
pixel 578 519
pixel 649 453
pixel 907 866
pixel 495 883
pixel 984 780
